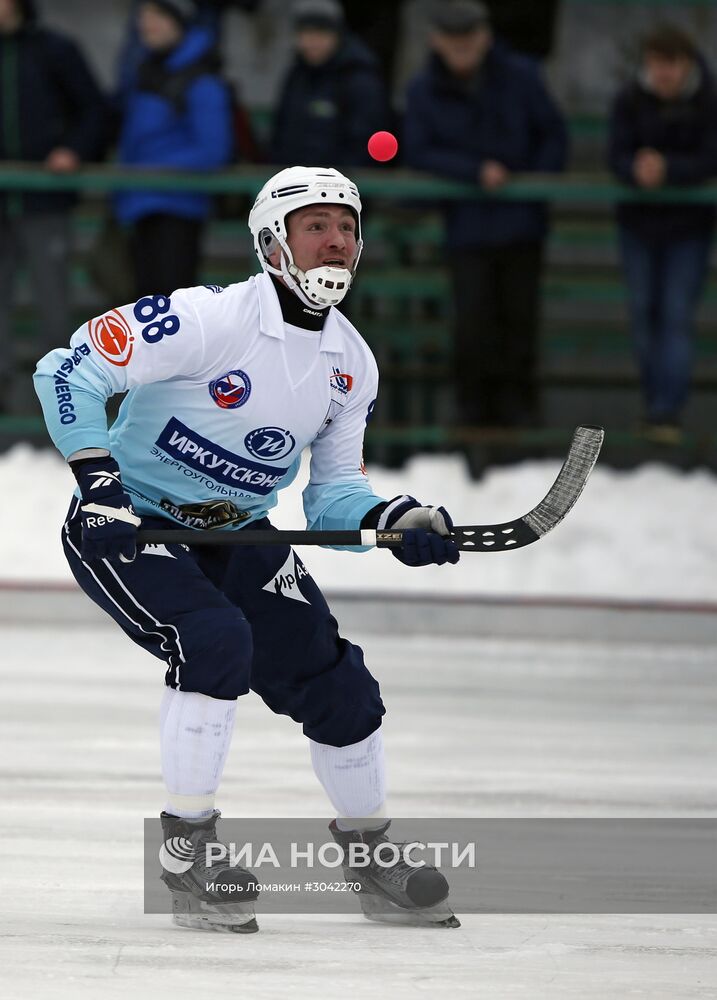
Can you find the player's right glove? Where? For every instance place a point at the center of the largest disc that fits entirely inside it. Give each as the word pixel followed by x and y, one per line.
pixel 425 531
pixel 109 523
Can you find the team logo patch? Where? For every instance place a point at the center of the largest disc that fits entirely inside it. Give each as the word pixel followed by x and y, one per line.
pixel 286 581
pixel 112 338
pixel 341 382
pixel 231 390
pixel 269 443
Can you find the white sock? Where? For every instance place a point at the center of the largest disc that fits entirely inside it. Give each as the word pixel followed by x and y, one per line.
pixel 195 735
pixel 354 779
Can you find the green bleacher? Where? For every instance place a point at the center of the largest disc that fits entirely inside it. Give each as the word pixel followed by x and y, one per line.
pixel 402 305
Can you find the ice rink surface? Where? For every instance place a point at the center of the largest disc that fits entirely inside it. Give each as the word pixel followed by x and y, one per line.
pixel 476 727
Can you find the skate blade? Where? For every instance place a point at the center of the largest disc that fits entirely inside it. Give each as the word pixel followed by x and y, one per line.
pixel 385 912
pixel 231 918
pixel 198 922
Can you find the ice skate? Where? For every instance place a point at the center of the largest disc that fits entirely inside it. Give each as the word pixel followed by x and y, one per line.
pixel 217 898
pixel 398 894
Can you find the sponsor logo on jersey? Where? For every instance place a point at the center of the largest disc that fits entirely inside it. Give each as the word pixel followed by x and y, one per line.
pixel 217 289
pixel 112 338
pixel 286 581
pixel 63 391
pixel 198 453
pixel 271 443
pixel 231 390
pixel 340 382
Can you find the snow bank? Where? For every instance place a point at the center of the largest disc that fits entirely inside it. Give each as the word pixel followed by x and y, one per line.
pixel 643 534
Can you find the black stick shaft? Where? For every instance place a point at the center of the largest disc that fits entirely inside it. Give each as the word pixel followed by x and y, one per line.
pixel 245 536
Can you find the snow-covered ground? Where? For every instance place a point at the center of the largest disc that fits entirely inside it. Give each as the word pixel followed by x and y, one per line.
pixel 643 534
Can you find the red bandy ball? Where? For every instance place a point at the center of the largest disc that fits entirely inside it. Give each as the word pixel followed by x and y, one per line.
pixel 383 146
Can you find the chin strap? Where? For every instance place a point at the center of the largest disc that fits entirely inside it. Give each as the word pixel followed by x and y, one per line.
pixel 295 278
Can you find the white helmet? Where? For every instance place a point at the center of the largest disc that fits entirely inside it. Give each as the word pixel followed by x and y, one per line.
pixel 298 187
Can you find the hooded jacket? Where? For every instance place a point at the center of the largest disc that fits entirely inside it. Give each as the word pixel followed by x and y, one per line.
pixel 176 113
pixel 48 98
pixel 504 114
pixel 326 113
pixel 685 132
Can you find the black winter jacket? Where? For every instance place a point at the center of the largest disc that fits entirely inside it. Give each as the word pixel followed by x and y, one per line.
pixel 685 132
pixel 326 114
pixel 48 98
pixel 504 114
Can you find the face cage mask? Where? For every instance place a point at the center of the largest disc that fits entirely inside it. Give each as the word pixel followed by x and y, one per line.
pixel 319 286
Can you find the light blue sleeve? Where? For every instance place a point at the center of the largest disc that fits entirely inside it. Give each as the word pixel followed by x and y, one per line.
pixel 151 340
pixel 339 494
pixel 73 402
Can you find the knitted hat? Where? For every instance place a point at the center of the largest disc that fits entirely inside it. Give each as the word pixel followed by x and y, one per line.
pixel 183 11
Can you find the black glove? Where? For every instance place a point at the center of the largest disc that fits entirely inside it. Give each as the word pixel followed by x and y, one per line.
pixel 424 531
pixel 109 523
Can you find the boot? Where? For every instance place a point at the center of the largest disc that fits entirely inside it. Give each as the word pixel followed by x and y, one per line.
pixel 229 905
pixel 398 893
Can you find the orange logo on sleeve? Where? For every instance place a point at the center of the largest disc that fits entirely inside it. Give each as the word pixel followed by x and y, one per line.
pixel 112 338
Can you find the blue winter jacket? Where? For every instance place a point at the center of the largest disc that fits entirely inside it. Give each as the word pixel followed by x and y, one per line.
pixel 327 113
pixel 504 114
pixel 177 114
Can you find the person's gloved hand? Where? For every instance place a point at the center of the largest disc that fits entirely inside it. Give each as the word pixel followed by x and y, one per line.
pixel 109 523
pixel 425 530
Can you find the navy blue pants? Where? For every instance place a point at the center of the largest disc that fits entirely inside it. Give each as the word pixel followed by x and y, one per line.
pixel 227 620
pixel 664 283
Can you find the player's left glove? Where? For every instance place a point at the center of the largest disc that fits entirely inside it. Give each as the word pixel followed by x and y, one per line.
pixel 109 523
pixel 426 531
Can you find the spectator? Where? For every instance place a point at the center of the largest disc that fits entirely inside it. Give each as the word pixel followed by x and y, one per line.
pixel 332 98
pixel 209 14
pixel 477 114
pixel 663 130
pixel 51 112
pixel 176 114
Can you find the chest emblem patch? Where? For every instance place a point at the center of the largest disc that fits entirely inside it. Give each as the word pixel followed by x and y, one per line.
pixel 231 390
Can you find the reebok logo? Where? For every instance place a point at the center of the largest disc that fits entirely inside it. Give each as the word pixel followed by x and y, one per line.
pixel 104 478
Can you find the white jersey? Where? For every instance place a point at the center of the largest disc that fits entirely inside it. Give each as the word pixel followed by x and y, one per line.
pixel 214 410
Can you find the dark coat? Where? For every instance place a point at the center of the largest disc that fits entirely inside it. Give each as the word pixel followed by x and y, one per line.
pixel 48 98
pixel 685 132
pixel 176 114
pixel 326 114
pixel 505 114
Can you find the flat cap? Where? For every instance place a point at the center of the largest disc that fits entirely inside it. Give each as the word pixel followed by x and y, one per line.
pixel 458 17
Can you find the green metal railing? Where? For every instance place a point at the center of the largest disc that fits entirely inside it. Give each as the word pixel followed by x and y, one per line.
pixel 396 185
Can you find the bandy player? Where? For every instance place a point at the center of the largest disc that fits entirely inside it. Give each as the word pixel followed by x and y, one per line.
pixel 225 388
